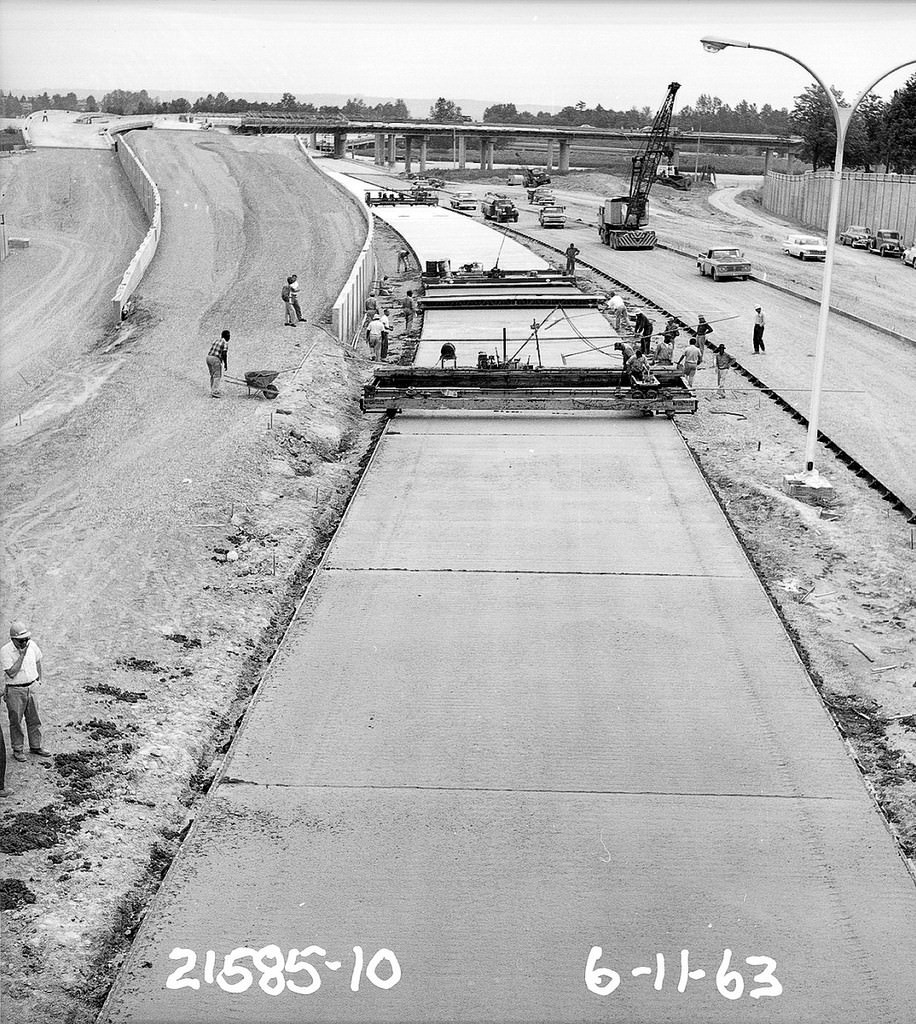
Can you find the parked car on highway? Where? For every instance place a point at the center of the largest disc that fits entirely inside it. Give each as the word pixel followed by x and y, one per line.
pixel 723 263
pixel 463 201
pixel 886 243
pixel 909 257
pixel 805 247
pixel 552 216
pixel 856 235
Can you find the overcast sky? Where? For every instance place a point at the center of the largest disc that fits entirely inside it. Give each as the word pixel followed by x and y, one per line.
pixel 617 53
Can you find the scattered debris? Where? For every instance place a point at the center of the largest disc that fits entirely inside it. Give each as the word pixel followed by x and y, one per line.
pixel 128 696
pixel 32 830
pixel 140 664
pixel 14 894
pixel 185 641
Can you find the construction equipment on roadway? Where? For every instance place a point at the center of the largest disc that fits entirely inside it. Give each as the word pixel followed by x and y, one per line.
pixel 498 207
pixel 501 382
pixel 622 220
pixel 533 178
pixel 393 197
pixel 398 388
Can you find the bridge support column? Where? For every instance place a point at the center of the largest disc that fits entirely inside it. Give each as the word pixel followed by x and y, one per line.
pixel 767 153
pixel 408 153
pixel 424 144
pixel 490 148
pixel 379 149
pixel 483 154
pixel 549 161
pixel 313 140
pixel 462 151
pixel 340 145
pixel 392 149
pixel 564 157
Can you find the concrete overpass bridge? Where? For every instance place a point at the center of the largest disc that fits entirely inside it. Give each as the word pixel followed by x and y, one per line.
pixel 416 136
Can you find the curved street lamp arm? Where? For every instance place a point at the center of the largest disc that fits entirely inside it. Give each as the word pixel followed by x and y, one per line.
pixel 881 78
pixel 830 97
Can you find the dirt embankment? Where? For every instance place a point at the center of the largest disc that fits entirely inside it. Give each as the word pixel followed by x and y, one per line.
pixel 83 224
pixel 157 544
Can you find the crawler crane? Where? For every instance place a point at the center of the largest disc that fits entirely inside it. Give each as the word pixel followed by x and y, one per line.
pixel 622 220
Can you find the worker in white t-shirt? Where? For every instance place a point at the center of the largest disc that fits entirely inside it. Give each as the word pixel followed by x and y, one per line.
pixel 21 661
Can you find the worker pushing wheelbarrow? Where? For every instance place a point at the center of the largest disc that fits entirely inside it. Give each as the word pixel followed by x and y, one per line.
pixel 258 380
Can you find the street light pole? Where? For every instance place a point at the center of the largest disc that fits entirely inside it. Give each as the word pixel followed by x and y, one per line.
pixel 841 116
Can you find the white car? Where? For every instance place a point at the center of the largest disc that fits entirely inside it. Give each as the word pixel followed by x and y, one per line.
pixel 805 247
pixel 909 256
pixel 463 201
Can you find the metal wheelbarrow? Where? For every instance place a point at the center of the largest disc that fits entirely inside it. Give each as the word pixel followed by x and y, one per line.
pixel 258 380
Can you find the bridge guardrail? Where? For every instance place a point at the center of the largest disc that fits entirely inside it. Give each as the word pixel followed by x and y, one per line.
pixel 348 311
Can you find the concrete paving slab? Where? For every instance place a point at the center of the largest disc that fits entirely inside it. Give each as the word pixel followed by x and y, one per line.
pixel 506 681
pixel 492 902
pixel 436 233
pixel 627 504
pixel 482 329
pixel 599 424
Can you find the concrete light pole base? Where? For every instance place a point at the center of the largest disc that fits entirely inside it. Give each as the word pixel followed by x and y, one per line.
pixel 810 487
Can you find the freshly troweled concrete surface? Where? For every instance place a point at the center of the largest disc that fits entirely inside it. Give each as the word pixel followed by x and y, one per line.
pixel 535 702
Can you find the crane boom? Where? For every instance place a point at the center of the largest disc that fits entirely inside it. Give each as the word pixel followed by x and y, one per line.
pixel 645 162
pixel 622 219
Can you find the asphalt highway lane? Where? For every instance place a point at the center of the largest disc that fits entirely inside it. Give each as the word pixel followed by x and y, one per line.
pixel 508 727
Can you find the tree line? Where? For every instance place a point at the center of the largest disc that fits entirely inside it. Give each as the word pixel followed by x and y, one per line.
pixel 881 132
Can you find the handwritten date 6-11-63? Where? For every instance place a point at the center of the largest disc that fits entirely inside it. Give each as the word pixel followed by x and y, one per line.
pixel 730 983
pixel 279 972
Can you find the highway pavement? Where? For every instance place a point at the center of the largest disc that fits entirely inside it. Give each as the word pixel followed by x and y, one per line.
pixel 535 703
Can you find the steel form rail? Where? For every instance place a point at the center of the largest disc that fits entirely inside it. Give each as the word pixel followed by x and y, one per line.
pixel 862 472
pixel 896 502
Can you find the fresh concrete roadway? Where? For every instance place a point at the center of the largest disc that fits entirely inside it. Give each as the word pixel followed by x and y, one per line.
pixel 535 701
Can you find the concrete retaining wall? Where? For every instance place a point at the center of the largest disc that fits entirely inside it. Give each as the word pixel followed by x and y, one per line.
pixel 878 200
pixel 348 311
pixel 145 188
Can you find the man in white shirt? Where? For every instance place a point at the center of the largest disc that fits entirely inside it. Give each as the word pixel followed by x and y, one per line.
pixel 374 336
pixel 619 308
pixel 21 661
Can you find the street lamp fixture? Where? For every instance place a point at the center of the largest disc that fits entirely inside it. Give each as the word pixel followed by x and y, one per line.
pixel 841 116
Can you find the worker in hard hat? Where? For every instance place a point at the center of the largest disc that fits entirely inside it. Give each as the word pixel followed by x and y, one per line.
pixel 21 661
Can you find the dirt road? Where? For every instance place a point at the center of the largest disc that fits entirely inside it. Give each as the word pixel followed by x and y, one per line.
pixel 84 224
pixel 109 534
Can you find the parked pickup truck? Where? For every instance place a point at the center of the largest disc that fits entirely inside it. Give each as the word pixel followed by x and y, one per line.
pixel 886 243
pixel 463 201
pixel 496 206
pixel 552 216
pixel 723 263
pixel 856 235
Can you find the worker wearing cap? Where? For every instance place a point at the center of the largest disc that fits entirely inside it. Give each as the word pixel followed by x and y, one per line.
pixel 21 661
